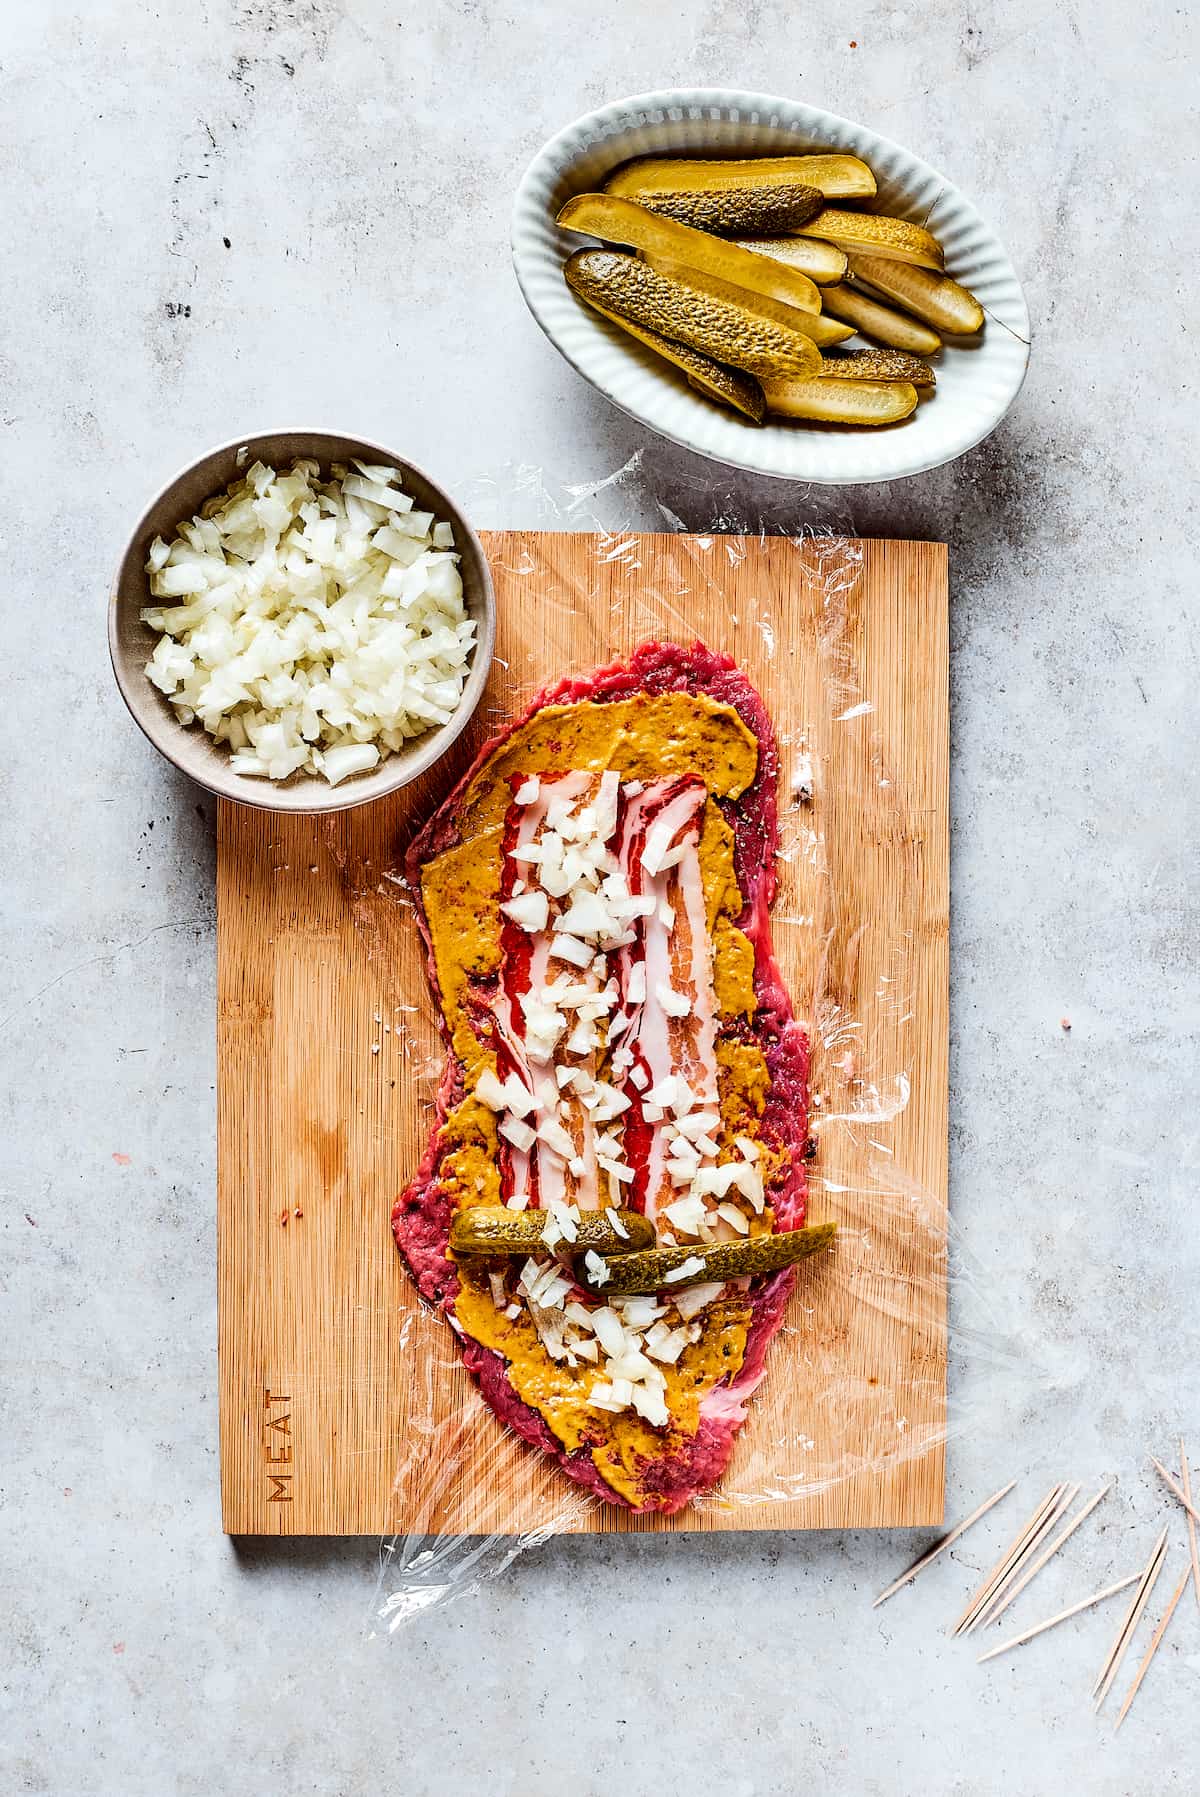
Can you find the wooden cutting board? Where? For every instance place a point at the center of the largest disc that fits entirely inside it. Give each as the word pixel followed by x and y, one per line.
pixel 331 1376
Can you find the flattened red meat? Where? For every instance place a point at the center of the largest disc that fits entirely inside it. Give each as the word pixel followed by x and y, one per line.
pixel 422 1214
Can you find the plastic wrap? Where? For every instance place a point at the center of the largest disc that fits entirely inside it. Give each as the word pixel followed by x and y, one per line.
pixel 896 1250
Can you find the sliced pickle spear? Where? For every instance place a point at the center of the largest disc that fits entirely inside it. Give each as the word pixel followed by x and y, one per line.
pixel 871 234
pixel 494 1229
pixel 878 365
pixel 821 262
pixel 728 386
pixel 651 1271
pixel 934 297
pixel 823 331
pixel 733 211
pixel 837 177
pixel 876 320
pixel 624 221
pixel 842 402
pixel 732 326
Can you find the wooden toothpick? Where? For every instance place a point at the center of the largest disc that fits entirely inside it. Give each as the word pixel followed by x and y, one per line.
pixel 1133 1616
pixel 940 1547
pixel 1040 1627
pixel 1066 1497
pixel 1010 1558
pixel 1015 1591
pixel 999 1592
pixel 1176 1487
pixel 1157 1636
pixel 1191 1521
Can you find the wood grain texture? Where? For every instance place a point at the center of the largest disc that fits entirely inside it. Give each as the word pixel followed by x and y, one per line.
pixel 331 1376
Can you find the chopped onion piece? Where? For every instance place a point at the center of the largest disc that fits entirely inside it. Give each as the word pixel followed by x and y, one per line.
pixel 518 1133
pixel 351 758
pixel 597 1271
pixel 490 1091
pixel 517 1097
pixel 691 1302
pixel 569 948
pixel 684 1270
pixel 556 1138
pixel 530 911
pixel 606 1325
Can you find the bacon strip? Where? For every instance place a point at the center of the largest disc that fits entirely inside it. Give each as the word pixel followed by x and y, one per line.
pixel 538 1176
pixel 673 944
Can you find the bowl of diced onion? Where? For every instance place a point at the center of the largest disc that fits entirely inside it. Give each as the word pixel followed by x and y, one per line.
pixel 302 621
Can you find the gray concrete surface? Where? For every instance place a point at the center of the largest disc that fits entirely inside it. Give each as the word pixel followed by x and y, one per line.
pixel 233 211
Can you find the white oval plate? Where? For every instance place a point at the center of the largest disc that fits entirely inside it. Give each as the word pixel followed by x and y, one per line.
pixel 976 383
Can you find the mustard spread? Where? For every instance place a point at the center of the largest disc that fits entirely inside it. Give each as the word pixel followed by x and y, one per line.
pixel 647 738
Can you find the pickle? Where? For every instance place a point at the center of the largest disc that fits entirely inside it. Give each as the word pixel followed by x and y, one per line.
pixel 871 234
pixel 842 402
pixel 664 239
pixel 733 211
pixel 876 320
pixel 934 297
pixel 823 331
pixel 732 326
pixel 878 365
pixel 494 1229
pixel 837 177
pixel 728 386
pixel 648 1272
pixel 821 262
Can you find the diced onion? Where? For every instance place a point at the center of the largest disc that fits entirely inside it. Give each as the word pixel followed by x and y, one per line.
pixel 691 1302
pixel 684 1270
pixel 313 625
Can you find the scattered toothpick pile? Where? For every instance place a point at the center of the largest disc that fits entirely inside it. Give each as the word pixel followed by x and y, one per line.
pixel 1032 1548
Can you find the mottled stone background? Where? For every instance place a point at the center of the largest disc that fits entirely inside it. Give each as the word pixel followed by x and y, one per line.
pixel 220 214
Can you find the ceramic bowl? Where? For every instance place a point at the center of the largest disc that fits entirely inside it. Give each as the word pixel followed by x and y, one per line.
pixel 131 641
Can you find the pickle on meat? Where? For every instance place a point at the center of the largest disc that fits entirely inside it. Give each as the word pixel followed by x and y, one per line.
pixel 734 211
pixel 873 234
pixel 825 401
pixel 941 302
pixel 621 221
pixel 728 386
pixel 821 262
pixel 674 1269
pixel 878 365
pixel 874 319
pixel 494 1229
pixel 837 177
pixel 737 328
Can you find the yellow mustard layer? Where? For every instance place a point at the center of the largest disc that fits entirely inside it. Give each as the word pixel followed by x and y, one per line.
pixel 620 1444
pixel 643 738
